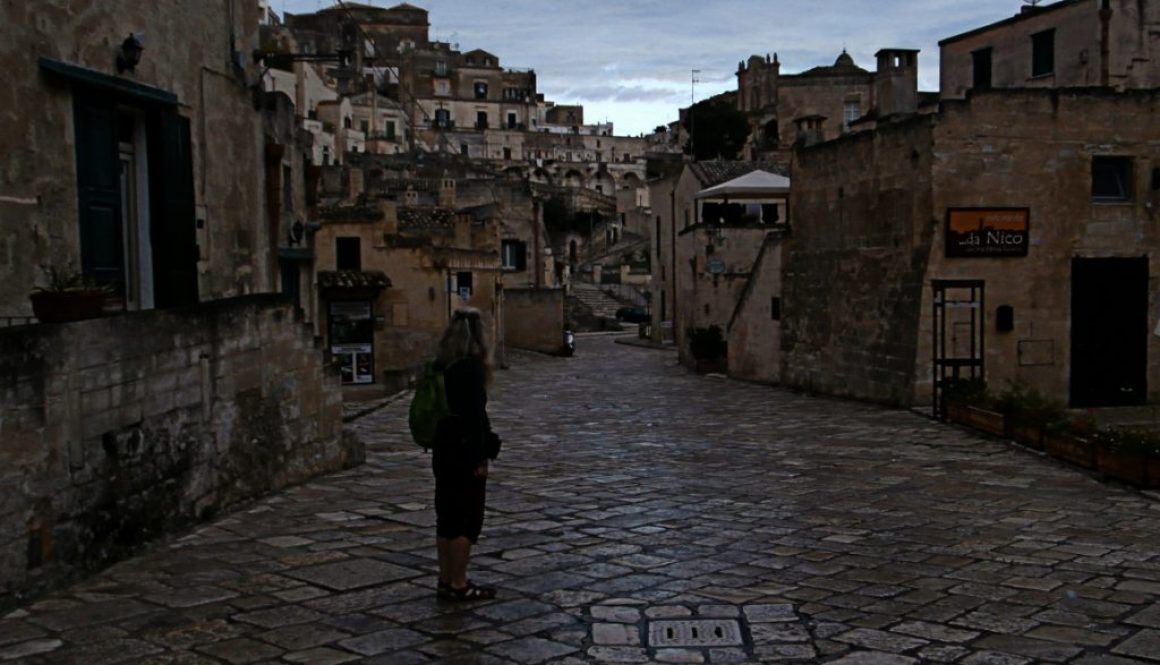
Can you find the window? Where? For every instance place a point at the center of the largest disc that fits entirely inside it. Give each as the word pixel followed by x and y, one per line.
pixel 442 118
pixel 364 126
pixel 1043 53
pixel 346 122
pixel 463 284
pixel 1112 178
pixel 511 120
pixel 390 130
pixel 981 63
pixel 507 153
pixel 480 90
pixel 775 309
pixel 347 253
pixel 442 89
pixel 441 68
pixel 463 149
pixel 514 254
pixel 481 120
pixel 851 112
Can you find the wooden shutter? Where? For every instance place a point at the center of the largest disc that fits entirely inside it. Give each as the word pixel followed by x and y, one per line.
pixel 173 227
pixel 521 255
pixel 99 189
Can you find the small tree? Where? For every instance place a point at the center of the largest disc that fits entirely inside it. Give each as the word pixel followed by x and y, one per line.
pixel 717 128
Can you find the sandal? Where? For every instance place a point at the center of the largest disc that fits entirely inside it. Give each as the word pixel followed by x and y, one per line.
pixel 469 593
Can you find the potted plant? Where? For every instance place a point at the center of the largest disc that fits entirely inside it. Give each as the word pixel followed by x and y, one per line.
pixel 67 296
pixel 1129 455
pixel 708 348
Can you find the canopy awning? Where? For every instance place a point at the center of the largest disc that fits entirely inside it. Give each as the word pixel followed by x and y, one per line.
pixel 753 185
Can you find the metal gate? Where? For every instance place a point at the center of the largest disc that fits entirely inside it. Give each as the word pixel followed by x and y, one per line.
pixel 958 335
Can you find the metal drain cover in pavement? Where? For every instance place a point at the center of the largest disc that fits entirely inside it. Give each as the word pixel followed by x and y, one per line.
pixel 710 633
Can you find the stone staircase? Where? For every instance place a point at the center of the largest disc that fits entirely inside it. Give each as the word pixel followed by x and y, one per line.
pixel 596 300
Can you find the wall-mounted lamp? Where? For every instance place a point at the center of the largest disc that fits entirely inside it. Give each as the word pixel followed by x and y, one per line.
pixel 130 54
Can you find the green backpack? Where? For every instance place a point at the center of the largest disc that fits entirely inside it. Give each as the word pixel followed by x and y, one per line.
pixel 428 406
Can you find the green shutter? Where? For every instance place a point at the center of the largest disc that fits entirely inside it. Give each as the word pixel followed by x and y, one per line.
pixel 173 227
pixel 99 189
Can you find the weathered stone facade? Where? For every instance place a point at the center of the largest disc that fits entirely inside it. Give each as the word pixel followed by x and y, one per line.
pixel 754 331
pixel 187 56
pixel 533 319
pixel 872 212
pixel 190 412
pixel 1063 44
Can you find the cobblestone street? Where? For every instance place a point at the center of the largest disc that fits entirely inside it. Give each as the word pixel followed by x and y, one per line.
pixel 639 513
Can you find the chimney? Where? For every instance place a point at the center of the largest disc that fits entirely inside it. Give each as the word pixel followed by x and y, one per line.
pixel 810 130
pixel 447 193
pixel 896 82
pixel 355 184
pixel 390 217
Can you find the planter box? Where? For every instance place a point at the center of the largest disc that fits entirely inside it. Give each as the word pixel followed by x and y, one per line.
pixel 987 421
pixel 1139 469
pixel 64 306
pixel 1027 435
pixel 1070 449
pixel 959 413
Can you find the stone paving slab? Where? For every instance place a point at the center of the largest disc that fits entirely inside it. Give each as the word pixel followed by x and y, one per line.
pixel 632 493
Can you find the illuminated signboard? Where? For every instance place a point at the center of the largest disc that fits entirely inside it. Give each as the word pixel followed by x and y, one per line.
pixel 987 232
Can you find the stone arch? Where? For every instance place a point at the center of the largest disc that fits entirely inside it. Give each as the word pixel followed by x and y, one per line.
pixel 630 180
pixel 540 176
pixel 603 183
pixel 573 178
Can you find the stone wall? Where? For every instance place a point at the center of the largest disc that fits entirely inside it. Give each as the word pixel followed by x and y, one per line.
pixel 534 319
pixel 754 336
pixel 1033 149
pixel 120 429
pixel 1133 51
pixel 856 263
pixel 188 54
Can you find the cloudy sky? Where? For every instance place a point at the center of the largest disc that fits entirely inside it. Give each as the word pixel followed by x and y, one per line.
pixel 630 62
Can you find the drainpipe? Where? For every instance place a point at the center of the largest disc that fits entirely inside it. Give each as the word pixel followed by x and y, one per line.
pixel 1105 46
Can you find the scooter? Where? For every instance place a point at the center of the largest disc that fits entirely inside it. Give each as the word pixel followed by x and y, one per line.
pixel 569 344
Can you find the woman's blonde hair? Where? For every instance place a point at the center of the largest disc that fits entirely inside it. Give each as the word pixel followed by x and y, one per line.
pixel 465 337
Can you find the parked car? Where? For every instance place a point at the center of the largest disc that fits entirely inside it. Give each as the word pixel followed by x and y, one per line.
pixel 633 315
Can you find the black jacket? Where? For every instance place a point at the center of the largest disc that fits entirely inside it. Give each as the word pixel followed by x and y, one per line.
pixel 465 438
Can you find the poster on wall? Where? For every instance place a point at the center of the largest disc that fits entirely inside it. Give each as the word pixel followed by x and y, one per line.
pixel 352 340
pixel 987 232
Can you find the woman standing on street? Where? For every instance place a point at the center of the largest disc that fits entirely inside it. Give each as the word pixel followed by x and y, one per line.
pixel 464 443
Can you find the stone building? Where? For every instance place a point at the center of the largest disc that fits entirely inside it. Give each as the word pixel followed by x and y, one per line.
pixel 1073 43
pixel 678 234
pixel 821 103
pixel 136 155
pixel 1012 235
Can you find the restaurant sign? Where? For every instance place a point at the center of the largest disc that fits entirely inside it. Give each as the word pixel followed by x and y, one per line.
pixel 987 232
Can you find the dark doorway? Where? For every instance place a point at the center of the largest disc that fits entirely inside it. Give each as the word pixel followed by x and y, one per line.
pixel 1109 331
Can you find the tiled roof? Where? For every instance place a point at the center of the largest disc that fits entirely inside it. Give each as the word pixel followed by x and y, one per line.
pixel 353 279
pixel 414 219
pixel 716 171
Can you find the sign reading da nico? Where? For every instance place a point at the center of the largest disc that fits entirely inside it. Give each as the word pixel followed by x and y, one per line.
pixel 987 232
